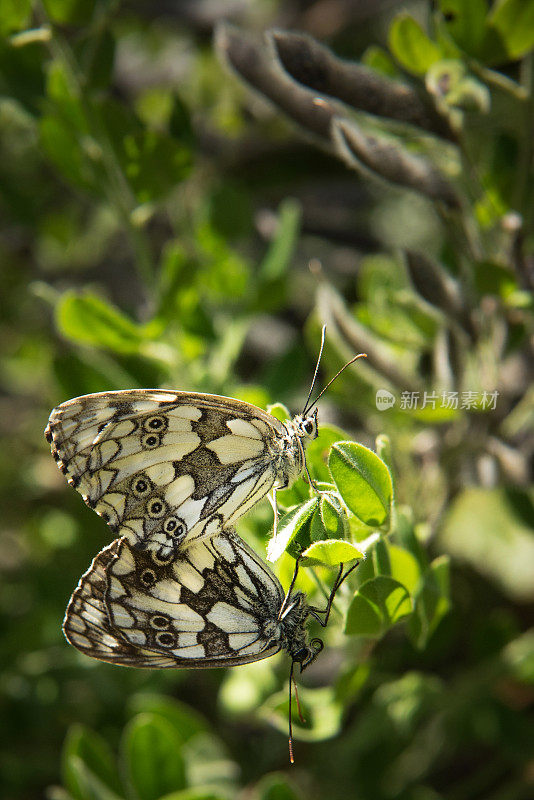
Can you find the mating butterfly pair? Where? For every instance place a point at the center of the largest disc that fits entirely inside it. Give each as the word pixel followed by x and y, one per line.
pixel 170 472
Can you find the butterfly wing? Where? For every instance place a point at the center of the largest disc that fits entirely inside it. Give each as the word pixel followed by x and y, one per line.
pixel 215 605
pixel 166 468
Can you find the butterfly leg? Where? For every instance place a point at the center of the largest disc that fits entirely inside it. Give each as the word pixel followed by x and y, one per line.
pixel 314 612
pixel 288 593
pixel 310 479
pixel 272 501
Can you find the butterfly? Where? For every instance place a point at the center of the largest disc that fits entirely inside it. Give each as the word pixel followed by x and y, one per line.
pixel 166 469
pixel 216 604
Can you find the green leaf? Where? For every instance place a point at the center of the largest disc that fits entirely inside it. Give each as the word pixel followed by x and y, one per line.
pixel 377 605
pixel 279 411
pixel 318 450
pixel 518 655
pixel 320 710
pixel 448 79
pixel 330 553
pixel 275 787
pixel 333 516
pixel 411 46
pixel 70 12
pixel 298 493
pixel 66 148
pixel 98 58
pixel 493 278
pixel 330 519
pixel 491 529
pixel 180 126
pixel 363 481
pixel 209 765
pixel 290 529
pixel 152 751
pixel 83 784
pixel 466 22
pixel 89 319
pixel 278 257
pixel 404 567
pixel 514 22
pixel 381 560
pixel 198 793
pixel 224 273
pixel 14 15
pixel 243 690
pixel 230 211
pixel 152 161
pixel 186 721
pixel 432 602
pixel 86 755
pixel 379 59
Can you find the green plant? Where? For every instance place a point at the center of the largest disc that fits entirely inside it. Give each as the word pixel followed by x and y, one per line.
pixel 162 229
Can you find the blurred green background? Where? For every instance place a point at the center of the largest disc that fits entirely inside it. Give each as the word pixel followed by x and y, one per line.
pixel 168 221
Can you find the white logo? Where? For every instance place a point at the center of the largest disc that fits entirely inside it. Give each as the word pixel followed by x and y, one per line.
pixel 384 399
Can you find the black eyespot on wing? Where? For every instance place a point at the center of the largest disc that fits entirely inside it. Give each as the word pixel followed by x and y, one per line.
pixel 160 621
pixel 158 423
pixel 148 577
pixel 166 639
pixel 141 486
pixel 156 508
pixel 150 440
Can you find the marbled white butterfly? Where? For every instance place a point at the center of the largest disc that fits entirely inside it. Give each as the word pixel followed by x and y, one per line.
pixel 216 604
pixel 170 472
pixel 166 469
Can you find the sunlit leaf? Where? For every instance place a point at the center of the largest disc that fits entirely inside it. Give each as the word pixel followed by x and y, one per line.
pixel 290 529
pixel 89 319
pixel 363 481
pixel 330 553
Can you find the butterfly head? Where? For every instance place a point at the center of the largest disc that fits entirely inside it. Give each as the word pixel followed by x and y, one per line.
pixel 305 655
pixel 305 426
pixel 294 632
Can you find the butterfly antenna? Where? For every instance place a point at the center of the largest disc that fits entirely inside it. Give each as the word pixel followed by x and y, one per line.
pixel 323 335
pixel 331 381
pixel 291 758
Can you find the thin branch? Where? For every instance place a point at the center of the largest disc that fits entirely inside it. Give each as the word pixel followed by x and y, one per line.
pixel 314 66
